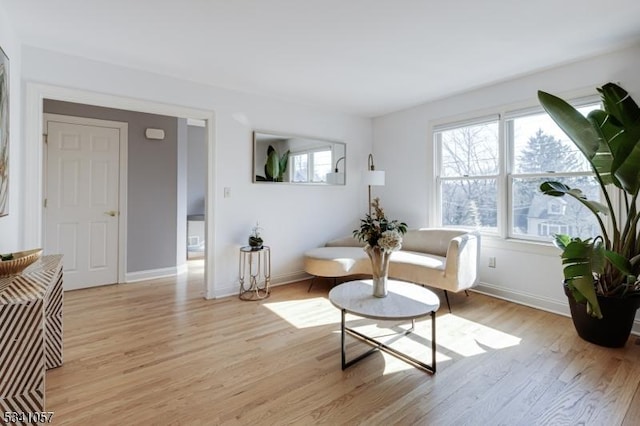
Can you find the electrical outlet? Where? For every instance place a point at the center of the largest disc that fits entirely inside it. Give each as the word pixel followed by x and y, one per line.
pixel 492 262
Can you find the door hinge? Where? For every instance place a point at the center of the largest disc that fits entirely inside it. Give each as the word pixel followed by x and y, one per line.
pixel 45 203
pixel 45 138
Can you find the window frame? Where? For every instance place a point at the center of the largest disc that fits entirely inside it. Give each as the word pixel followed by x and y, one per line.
pixel 506 166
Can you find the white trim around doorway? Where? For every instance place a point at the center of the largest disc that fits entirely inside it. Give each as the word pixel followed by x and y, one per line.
pixel 33 158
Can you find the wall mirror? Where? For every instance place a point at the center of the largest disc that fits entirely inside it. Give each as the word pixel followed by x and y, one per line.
pixel 281 158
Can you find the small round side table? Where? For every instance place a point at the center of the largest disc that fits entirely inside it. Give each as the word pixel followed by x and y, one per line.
pixel 255 266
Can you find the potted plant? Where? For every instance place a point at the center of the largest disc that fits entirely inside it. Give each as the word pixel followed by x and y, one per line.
pixel 275 166
pixel 255 240
pixel 601 273
pixel 383 236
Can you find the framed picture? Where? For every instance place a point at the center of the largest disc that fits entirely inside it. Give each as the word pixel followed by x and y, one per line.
pixel 4 134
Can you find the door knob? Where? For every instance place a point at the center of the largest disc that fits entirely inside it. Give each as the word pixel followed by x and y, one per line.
pixel 111 213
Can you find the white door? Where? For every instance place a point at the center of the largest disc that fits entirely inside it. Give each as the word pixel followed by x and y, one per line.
pixel 81 213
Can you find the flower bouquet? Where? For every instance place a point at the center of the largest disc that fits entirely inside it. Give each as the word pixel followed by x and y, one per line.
pixel 382 237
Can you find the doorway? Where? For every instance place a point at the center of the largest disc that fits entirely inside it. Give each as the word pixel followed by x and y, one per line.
pixel 34 160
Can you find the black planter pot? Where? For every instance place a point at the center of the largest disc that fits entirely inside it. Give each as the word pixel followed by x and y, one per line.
pixel 255 243
pixel 614 328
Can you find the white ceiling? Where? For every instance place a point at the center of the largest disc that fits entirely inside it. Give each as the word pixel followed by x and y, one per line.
pixel 364 57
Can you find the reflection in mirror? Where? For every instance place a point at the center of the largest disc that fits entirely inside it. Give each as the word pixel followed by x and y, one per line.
pixel 298 159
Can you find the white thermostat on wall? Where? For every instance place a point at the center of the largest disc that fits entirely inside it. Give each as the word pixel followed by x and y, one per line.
pixel 157 134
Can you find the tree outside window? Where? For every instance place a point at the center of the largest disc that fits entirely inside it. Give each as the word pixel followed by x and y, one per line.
pixel 469 171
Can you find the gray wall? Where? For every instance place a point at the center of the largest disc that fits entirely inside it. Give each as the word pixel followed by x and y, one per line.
pixel 196 169
pixel 152 183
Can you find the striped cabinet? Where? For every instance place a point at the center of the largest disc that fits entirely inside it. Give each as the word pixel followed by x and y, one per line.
pixel 30 334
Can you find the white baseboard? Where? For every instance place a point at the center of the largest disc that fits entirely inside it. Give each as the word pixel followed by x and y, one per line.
pixel 291 277
pixel 560 307
pixel 151 274
pixel 182 269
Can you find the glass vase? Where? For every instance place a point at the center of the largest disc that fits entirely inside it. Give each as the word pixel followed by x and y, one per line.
pixel 379 270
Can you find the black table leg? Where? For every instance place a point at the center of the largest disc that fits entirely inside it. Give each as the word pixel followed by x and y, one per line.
pixel 377 345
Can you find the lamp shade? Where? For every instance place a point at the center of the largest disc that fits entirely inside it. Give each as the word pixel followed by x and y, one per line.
pixel 374 177
pixel 335 178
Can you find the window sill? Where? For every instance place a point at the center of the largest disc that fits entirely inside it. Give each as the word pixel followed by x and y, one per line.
pixel 525 246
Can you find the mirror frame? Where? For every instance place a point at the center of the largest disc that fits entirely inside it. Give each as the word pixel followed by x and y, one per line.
pixel 258 162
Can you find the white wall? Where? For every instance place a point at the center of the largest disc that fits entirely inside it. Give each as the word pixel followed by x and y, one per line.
pixel 294 218
pixel 525 272
pixel 10 226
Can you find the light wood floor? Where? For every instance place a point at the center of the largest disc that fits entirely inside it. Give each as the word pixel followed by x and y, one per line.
pixel 157 353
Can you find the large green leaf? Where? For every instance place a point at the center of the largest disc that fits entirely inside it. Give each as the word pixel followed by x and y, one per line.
pixel 620 262
pixel 622 131
pixel 561 240
pixel 272 167
pixel 585 286
pixel 585 254
pixel 603 158
pixel 618 103
pixel 284 161
pixel 559 189
pixel 581 259
pixel 575 125
pixel 626 161
pixel 576 294
pixel 598 256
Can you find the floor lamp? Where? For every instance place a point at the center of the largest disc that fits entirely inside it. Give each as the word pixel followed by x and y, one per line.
pixel 373 177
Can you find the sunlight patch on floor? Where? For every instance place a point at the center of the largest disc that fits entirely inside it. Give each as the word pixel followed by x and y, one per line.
pixel 306 313
pixel 453 333
pixel 469 338
pixel 394 365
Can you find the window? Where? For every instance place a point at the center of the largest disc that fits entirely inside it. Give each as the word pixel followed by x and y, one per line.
pixel 477 164
pixel 299 167
pixel 310 166
pixel 469 173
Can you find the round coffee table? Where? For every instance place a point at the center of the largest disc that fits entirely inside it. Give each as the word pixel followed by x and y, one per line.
pixel 405 301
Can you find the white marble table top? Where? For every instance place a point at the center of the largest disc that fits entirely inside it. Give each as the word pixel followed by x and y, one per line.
pixel 404 301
